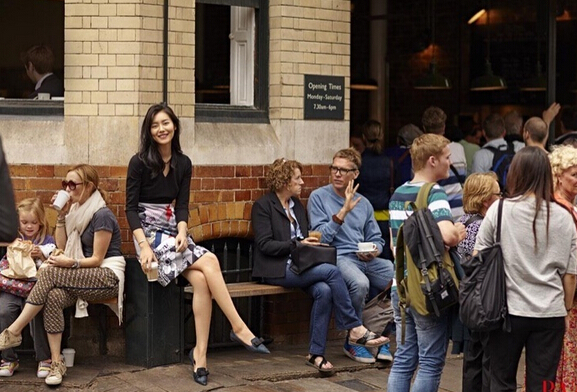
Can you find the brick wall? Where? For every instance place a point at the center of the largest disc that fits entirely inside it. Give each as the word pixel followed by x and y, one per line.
pixel 220 205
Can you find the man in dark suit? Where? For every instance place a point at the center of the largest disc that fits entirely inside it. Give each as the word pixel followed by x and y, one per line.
pixel 8 215
pixel 39 63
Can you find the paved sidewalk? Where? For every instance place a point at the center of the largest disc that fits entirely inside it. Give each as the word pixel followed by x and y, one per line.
pixel 231 370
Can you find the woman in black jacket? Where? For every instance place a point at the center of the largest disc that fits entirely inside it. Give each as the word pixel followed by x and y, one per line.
pixel 279 220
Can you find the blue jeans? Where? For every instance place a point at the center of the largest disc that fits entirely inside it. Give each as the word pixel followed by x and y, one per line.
pixel 362 276
pixel 426 340
pixel 325 284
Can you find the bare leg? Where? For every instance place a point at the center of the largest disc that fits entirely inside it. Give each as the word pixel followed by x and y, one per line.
pixel 202 309
pixel 209 266
pixel 54 341
pixel 28 313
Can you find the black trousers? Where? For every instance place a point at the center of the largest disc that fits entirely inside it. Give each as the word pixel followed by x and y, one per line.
pixel 476 364
pixel 542 339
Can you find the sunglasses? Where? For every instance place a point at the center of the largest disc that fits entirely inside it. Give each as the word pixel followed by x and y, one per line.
pixel 70 184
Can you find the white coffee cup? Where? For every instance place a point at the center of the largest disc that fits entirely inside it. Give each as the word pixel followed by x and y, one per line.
pixel 43 96
pixel 367 246
pixel 152 274
pixel 61 199
pixel 68 354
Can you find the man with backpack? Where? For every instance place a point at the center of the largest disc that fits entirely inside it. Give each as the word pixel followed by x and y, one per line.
pixel 496 155
pixel 425 336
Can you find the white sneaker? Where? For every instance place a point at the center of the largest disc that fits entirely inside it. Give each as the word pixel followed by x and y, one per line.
pixel 43 368
pixel 7 368
pixel 57 371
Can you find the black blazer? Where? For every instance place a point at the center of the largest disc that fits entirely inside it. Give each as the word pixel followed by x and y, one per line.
pixel 272 235
pixel 52 85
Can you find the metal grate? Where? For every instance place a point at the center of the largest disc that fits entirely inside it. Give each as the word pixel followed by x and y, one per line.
pixel 236 260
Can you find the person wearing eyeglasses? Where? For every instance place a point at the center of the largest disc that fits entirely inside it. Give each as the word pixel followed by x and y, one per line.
pixel 90 269
pixel 346 219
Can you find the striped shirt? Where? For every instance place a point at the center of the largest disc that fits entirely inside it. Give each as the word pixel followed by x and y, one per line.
pixel 437 203
pixel 452 185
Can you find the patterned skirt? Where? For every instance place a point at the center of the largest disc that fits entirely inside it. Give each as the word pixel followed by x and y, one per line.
pixel 159 225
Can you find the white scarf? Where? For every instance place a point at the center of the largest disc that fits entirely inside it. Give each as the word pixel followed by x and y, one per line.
pixel 77 221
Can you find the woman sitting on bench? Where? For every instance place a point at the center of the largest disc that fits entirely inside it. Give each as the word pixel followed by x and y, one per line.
pixel 91 268
pixel 279 220
pixel 158 175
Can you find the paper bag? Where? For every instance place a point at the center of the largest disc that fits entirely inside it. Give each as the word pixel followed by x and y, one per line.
pixel 21 264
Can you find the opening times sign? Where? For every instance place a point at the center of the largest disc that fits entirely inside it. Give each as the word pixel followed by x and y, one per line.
pixel 324 97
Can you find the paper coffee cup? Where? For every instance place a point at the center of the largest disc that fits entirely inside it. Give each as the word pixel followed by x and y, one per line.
pixel 68 354
pixel 366 246
pixel 43 96
pixel 152 274
pixel 61 200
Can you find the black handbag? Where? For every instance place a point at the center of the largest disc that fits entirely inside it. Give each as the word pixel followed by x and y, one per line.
pixel 305 256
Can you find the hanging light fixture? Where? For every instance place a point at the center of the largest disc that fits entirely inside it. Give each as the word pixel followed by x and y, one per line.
pixel 432 80
pixel 488 81
pixel 476 16
pixel 537 82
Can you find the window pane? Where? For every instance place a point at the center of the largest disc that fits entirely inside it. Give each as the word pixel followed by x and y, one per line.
pixel 212 60
pixel 23 24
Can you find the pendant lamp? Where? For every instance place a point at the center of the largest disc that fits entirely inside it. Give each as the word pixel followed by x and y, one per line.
pixel 432 80
pixel 488 81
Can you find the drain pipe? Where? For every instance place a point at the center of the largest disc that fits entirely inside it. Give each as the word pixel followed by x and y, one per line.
pixel 165 55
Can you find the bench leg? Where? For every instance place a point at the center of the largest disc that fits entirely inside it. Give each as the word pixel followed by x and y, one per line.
pixel 102 329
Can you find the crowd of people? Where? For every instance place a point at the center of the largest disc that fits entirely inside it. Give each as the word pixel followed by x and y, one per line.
pixel 366 201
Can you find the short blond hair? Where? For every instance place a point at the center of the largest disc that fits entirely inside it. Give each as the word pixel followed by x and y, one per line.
pixel 426 146
pixel 562 158
pixel 478 189
pixel 351 155
pixel 34 205
pixel 280 173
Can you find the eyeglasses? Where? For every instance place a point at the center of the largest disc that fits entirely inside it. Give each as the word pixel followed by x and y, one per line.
pixel 70 184
pixel 341 170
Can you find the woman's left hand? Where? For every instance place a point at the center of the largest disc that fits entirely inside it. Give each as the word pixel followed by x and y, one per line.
pixel 181 242
pixel 60 261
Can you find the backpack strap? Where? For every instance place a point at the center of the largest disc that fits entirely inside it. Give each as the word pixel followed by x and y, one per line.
pixel 423 195
pixel 456 173
pixel 399 276
pixel 499 216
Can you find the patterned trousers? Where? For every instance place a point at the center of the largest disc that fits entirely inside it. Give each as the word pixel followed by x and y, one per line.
pixel 58 288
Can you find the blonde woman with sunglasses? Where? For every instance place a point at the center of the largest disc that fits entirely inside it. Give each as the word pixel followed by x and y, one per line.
pixel 90 269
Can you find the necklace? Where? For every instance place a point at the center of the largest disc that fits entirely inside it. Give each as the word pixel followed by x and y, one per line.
pixel 167 162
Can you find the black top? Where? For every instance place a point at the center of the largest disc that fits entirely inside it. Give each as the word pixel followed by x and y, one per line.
pixel 272 235
pixel 8 215
pixel 142 188
pixel 52 85
pixel 103 220
pixel 375 179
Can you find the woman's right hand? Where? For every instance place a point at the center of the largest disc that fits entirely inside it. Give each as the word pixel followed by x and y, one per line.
pixel 146 258
pixel 64 210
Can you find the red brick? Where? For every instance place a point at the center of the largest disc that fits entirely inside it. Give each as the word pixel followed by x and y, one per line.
pixel 226 196
pixel 44 184
pixel 22 171
pixel 203 212
pixel 206 196
pixel 45 171
pixel 242 195
pixel 207 184
pixel 214 171
pixel 195 184
pixel 258 171
pixel 227 183
pixel 249 183
pixel 18 183
pixel 118 171
pixel 243 171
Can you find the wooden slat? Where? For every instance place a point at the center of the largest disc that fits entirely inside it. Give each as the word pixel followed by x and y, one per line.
pixel 250 289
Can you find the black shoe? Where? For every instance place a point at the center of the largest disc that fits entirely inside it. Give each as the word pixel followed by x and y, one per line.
pixel 200 376
pixel 256 345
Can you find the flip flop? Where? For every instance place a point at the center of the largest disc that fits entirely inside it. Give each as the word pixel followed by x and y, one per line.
pixel 312 362
pixel 366 339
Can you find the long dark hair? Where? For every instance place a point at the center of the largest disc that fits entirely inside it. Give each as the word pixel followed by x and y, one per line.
pixel 148 148
pixel 530 174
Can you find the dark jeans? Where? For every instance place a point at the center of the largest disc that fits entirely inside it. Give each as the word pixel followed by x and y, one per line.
pixel 476 376
pixel 542 339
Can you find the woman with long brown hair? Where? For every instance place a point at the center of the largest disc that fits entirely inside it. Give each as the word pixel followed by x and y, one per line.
pixel 538 242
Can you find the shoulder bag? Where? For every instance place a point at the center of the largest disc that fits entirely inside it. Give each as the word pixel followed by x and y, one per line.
pixel 305 256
